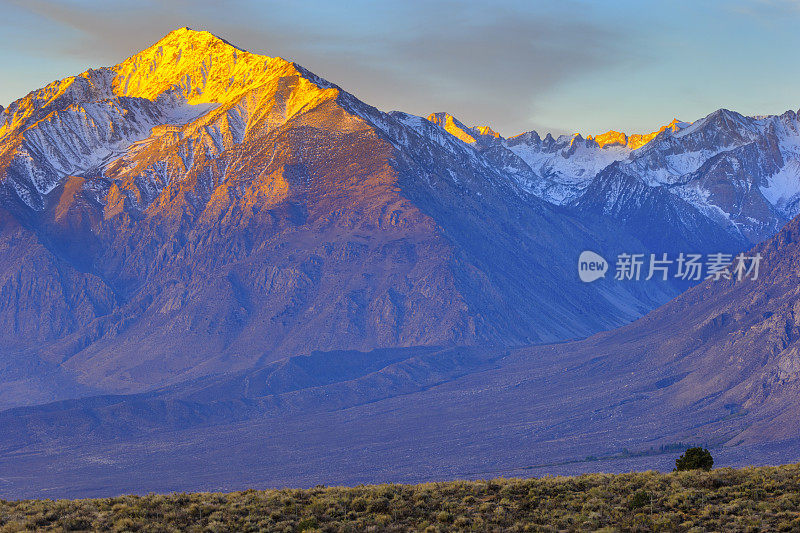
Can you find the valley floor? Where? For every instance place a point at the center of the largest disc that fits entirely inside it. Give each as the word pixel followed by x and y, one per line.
pixel 747 499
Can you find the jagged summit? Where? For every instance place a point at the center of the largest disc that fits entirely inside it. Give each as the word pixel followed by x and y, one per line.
pixel 185 66
pixel 486 130
pixel 611 137
pixel 186 32
pixel 453 126
pixel 458 129
pixel 121 122
pixel 636 140
pixel 197 64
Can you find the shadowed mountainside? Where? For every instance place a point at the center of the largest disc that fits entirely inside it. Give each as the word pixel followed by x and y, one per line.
pixel 199 209
pixel 219 269
pixel 717 365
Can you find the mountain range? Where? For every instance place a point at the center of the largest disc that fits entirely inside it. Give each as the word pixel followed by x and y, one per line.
pixel 213 256
pixel 197 209
pixel 717 366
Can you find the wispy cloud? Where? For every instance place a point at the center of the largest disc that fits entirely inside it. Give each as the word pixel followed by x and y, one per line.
pixel 488 63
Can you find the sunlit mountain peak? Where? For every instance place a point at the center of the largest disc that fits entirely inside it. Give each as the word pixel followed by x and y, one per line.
pixel 458 129
pixel 610 137
pixel 453 126
pixel 199 65
pixel 636 140
pixel 486 130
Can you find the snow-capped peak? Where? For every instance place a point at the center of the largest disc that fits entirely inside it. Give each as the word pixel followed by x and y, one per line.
pixel 198 65
pixel 453 126
pixel 188 83
pixel 486 130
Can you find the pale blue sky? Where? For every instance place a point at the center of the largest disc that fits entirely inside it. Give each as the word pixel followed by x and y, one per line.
pixel 576 66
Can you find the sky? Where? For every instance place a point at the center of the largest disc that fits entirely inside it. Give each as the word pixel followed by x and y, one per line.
pixel 565 67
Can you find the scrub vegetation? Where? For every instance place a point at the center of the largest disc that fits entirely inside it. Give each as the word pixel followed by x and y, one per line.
pixel 748 499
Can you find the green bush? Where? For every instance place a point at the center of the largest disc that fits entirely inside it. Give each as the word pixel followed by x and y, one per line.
pixel 694 459
pixel 640 499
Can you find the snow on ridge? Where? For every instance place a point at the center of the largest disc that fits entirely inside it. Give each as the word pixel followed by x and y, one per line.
pixel 783 188
pixel 84 137
pixel 94 122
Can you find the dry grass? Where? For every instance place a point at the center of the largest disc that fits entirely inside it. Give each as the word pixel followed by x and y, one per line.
pixel 749 499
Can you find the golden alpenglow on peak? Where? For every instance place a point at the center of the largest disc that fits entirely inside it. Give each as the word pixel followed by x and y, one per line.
pixel 451 125
pixel 202 67
pixel 610 137
pixel 637 140
pixel 676 124
pixel 194 78
pixel 486 130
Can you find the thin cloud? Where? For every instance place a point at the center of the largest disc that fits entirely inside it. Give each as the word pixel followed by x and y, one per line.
pixel 489 64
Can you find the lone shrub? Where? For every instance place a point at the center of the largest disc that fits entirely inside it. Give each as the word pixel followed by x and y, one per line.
pixel 640 499
pixel 694 459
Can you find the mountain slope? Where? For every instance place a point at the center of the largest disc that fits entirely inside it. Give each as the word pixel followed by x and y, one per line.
pixel 213 257
pixel 716 366
pixel 733 345
pixel 228 209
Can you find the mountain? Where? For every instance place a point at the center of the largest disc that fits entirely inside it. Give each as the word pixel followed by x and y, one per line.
pixel 718 366
pixel 198 209
pixel 732 347
pixel 221 270
pixel 730 167
pixel 738 176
